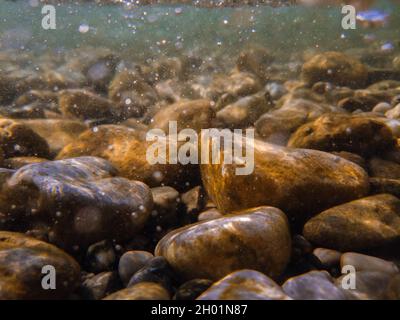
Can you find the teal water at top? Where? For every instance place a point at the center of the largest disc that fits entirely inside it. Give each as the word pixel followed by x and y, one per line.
pixel 152 30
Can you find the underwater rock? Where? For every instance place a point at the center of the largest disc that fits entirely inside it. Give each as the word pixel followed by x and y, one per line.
pixel 193 114
pixel 165 208
pixel 80 199
pixel 57 132
pixel 192 289
pixel 381 108
pixel 18 140
pixel 209 214
pixel 125 149
pixel 83 104
pixel 379 168
pixel 382 185
pixel 277 125
pixel 42 96
pixel 369 285
pixel 155 270
pixel 358 225
pixel 141 291
pixel 245 111
pixel 362 262
pixel 353 158
pixel 100 71
pixel 337 68
pixel 255 60
pixel 133 95
pixel 237 84
pixel 22 260
pixel 314 285
pixel 393 113
pixel 340 132
pixel 100 285
pixel 18 162
pixel 287 178
pixel 245 285
pixel 258 238
pixel 100 257
pixel 194 201
pixel 131 262
pixel 329 258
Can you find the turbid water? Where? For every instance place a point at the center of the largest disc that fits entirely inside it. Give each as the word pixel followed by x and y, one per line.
pixel 151 30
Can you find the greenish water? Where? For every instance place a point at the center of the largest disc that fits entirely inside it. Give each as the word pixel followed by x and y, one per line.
pixel 153 30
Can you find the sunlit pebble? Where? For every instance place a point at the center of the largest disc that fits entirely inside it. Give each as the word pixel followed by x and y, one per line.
pixel 83 28
pixel 128 101
pixel 95 129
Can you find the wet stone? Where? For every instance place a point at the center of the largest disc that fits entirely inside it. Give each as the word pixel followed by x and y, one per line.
pixel 100 257
pixel 287 178
pixel 329 258
pixel 22 259
pixel 192 289
pixel 80 198
pixel 337 68
pixel 141 291
pixel 57 132
pixel 362 262
pixel 314 285
pixel 166 200
pixel 100 285
pixel 334 132
pixel 245 285
pixel 155 270
pixel 380 168
pixel 258 239
pixel 125 149
pixel 83 104
pixel 369 285
pixel 17 139
pixel 209 214
pixel 358 225
pixel 131 262
pixel 19 162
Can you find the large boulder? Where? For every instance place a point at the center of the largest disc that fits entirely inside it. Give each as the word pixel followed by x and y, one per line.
pixel 299 182
pixel 256 239
pixel 79 199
